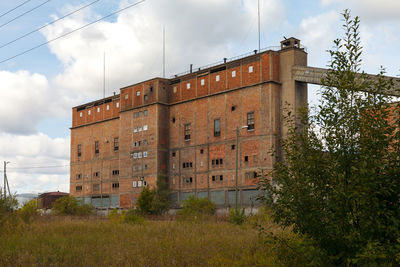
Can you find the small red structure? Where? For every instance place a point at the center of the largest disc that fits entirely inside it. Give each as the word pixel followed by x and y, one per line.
pixel 45 200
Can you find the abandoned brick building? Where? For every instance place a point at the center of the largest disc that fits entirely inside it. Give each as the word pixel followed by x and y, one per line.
pixel 190 127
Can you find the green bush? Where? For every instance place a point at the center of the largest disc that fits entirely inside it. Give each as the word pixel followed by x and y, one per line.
pixel 145 200
pixel 132 217
pixel 196 209
pixel 237 216
pixel 116 217
pixel 154 201
pixel 7 204
pixel 69 205
pixel 28 211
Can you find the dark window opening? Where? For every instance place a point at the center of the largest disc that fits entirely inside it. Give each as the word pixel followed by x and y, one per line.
pixel 221 177
pixel 79 150
pixel 233 147
pixel 217 127
pixel 116 144
pixel 173 119
pixel 96 147
pixel 187 131
pixel 246 158
pixel 233 108
pixel 151 88
pixel 201 151
pixel 220 161
pixel 250 121
pixel 78 188
pixel 115 172
pixel 79 176
pixel 96 174
pixel 173 154
pixel 183 165
pixel 213 178
pixel 115 186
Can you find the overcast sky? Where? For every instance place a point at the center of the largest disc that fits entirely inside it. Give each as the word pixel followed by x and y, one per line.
pixel 39 88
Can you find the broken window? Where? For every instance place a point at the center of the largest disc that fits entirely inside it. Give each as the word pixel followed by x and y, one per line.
pixel 246 158
pixel 187 131
pixel 213 177
pixel 96 147
pixel 250 121
pixel 79 176
pixel 96 174
pixel 115 186
pixel 116 144
pixel 217 127
pixel 115 172
pixel 78 188
pixel 233 108
pixel 173 154
pixel 201 151
pixel 233 147
pixel 79 150
pixel 221 177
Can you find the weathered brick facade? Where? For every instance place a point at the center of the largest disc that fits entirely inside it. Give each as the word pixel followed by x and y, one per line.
pixel 186 127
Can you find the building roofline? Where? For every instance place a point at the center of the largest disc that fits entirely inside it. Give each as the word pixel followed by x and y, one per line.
pixel 113 97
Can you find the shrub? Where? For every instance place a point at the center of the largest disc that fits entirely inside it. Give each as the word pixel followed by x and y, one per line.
pixel 69 205
pixel 28 211
pixel 132 217
pixel 237 216
pixel 116 217
pixel 196 208
pixel 7 204
pixel 145 200
pixel 154 201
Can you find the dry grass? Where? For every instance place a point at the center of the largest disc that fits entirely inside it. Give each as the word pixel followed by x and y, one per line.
pixel 67 241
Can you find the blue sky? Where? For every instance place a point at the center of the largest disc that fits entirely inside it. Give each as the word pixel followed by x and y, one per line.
pixel 39 89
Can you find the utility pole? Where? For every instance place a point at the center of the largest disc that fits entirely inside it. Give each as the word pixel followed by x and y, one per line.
pixel 236 175
pixel 6 186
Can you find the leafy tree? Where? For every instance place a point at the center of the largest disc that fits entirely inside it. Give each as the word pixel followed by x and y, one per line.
pixel 29 210
pixel 8 204
pixel 339 182
pixel 155 201
pixel 68 205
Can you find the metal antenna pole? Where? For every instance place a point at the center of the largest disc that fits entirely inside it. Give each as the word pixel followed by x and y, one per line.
pixel 164 52
pixel 259 34
pixel 104 75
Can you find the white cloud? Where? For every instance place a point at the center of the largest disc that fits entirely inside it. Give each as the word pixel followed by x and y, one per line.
pixel 318 33
pixel 28 155
pixel 198 32
pixel 370 11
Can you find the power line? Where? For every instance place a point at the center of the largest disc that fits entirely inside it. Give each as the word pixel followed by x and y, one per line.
pixel 23 14
pixel 2 15
pixel 68 33
pixel 44 26
pixel 38 167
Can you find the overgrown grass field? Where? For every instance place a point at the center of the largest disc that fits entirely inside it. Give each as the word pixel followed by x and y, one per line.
pixel 67 241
